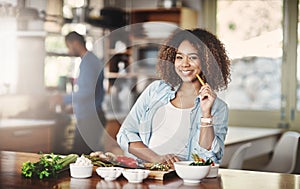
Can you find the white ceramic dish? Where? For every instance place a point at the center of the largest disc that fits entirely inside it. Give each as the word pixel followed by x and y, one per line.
pixel 159 26
pixel 191 174
pixel 79 171
pixel 157 34
pixel 135 175
pixel 214 171
pixel 109 173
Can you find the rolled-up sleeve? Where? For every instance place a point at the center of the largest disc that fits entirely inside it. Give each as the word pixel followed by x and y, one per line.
pixel 220 123
pixel 124 138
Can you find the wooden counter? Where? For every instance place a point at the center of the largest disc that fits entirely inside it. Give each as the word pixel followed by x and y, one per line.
pixel 11 163
pixel 26 135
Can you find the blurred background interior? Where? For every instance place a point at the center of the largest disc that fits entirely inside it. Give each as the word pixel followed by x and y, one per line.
pixel 261 37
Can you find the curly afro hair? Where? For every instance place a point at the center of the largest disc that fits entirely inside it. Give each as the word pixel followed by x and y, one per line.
pixel 215 64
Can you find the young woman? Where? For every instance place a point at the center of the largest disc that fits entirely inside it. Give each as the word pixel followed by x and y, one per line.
pixel 178 116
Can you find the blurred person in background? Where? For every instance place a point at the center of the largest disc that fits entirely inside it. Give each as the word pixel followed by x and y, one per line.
pixel 87 97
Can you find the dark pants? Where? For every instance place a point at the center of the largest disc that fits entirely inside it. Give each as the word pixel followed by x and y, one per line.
pixel 92 137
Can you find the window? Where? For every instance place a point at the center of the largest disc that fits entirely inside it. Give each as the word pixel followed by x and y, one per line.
pixel 8 63
pixel 295 115
pixel 252 33
pixel 59 66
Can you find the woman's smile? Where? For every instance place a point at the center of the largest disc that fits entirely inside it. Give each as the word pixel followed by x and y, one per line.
pixel 187 72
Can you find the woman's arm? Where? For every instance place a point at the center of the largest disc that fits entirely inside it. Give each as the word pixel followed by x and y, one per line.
pixel 207 135
pixel 140 150
pixel 219 128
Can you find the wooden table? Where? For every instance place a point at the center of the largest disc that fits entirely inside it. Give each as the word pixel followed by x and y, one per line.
pixel 10 177
pixel 263 141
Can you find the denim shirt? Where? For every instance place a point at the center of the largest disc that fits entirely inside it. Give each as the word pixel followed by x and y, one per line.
pixel 138 124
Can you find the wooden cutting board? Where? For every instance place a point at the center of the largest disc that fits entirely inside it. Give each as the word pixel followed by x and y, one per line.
pixel 161 175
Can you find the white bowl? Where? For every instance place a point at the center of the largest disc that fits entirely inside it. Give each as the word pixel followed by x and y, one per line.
pixel 109 173
pixel 159 26
pixel 214 170
pixel 79 171
pixel 191 174
pixel 135 175
pixel 157 34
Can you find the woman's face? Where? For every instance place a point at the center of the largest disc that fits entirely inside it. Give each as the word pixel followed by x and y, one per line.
pixel 187 62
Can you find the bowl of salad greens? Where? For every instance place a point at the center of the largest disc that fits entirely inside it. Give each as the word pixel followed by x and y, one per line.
pixel 214 170
pixel 191 172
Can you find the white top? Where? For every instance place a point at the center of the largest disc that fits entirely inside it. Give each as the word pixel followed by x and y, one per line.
pixel 170 131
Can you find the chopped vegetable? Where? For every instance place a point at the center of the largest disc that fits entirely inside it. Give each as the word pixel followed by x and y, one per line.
pixel 197 158
pixel 105 157
pixel 160 167
pixel 49 165
pixel 198 161
pixel 109 159
pixel 97 161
